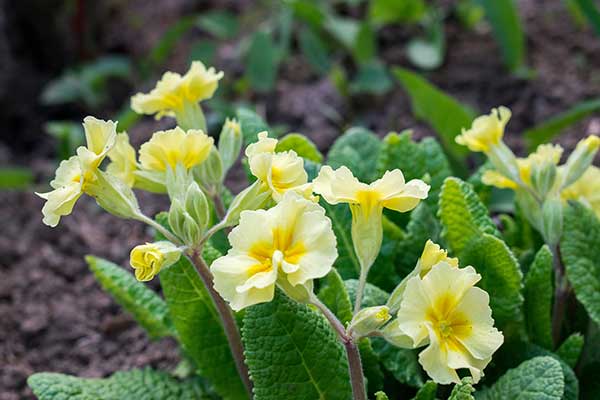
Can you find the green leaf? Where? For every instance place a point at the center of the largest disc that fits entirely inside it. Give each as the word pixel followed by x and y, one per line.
pixel 535 379
pixel 15 178
pixel 69 136
pixel 500 277
pixel 395 11
pixel 314 50
pixel 204 51
pixel 425 54
pixel 302 145
pixel 549 129
pixel 581 256
pixel 590 11
pixel 372 78
pixel 365 46
pixel 199 326
pixel 383 273
pixel 219 23
pixel 570 350
pixel 370 364
pixel 427 391
pixel 139 384
pixel 148 309
pixel 334 295
pixel 403 364
pixel 381 396
pixel 463 216
pixel 507 29
pixel 292 353
pixel 251 123
pixel 344 30
pixel 262 62
pixel 445 114
pixel 165 45
pixel 358 149
pixel 538 298
pixel 372 296
pixel 463 390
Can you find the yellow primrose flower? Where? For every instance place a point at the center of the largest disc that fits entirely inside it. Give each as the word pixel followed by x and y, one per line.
pixel 486 130
pixel 288 245
pixel 281 172
pixel 367 202
pixel 586 189
pixel 432 255
pixel 445 311
pixel 173 91
pixel 149 259
pixel 168 148
pixel 74 175
pixel 123 163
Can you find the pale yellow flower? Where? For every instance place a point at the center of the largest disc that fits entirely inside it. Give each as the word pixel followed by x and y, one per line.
pixel 486 131
pixel 367 202
pixel 288 245
pixel 76 173
pixel 168 148
pixel 149 259
pixel 173 91
pixel 281 172
pixel 586 189
pixel 123 162
pixel 445 311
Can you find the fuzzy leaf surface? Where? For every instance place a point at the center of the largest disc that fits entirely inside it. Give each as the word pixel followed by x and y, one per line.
pixel 538 298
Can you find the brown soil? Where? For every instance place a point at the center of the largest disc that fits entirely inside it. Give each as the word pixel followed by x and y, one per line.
pixel 54 315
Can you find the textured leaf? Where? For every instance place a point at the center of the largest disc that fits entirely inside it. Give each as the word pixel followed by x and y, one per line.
pixel 372 296
pixel 463 390
pixel 427 391
pixel 293 353
pixel 590 11
pixel 139 384
pixel 334 295
pixel 500 277
pixel 507 29
pixel 199 326
pixel 370 364
pixel 262 62
pixel 381 396
pixel 463 216
pixel 538 298
pixel 581 256
pixel 314 50
pixel 251 124
pixel 148 309
pixel 383 272
pixel 341 221
pixel 358 149
pixel 301 145
pixel 550 128
pixel 403 364
pixel 535 379
pixel 570 350
pixel 445 114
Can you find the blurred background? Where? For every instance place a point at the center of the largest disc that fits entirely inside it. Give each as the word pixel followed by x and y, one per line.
pixel 314 67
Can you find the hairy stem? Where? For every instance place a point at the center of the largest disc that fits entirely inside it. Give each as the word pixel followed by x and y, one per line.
pixel 229 324
pixel 357 379
pixel 362 282
pixel 561 291
pixel 165 232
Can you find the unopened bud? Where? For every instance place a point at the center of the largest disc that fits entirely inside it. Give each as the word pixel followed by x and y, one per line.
pixel 177 182
pixel 210 172
pixel 580 159
pixel 230 142
pixel 552 220
pixel 113 195
pixel 253 197
pixel 196 205
pixel 189 219
pixel 368 320
pixel 504 161
pixel 543 177
pixel 150 258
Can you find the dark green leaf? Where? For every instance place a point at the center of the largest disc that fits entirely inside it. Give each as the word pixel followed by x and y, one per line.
pixel 251 123
pixel 148 309
pixel 590 11
pixel 365 46
pixel 219 23
pixel 403 364
pixel 334 295
pixel 203 51
pixel 372 78
pixel 161 51
pixel 341 220
pixel 570 350
pixel 315 51
pixel 370 365
pixel 15 178
pixel 358 149
pixel 372 296
pixel 395 11
pixel 262 62
pixel 538 298
pixel 293 353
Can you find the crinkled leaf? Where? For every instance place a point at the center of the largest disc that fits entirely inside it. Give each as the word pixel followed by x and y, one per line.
pixel 148 309
pixel 358 149
pixel 463 390
pixel 372 296
pixel 535 379
pixel 301 145
pixel 251 124
pixel 341 221
pixel 581 256
pixel 403 364
pixel 381 396
pixel 538 298
pixel 334 295
pixel 383 272
pixel 370 365
pixel 139 384
pixel 292 353
pixel 570 350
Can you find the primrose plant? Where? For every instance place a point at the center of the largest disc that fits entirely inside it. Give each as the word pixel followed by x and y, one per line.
pixel 258 287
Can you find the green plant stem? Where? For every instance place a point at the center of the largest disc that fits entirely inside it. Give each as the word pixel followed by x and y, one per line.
pixel 165 232
pixel 355 370
pixel 229 324
pixel 561 292
pixel 362 282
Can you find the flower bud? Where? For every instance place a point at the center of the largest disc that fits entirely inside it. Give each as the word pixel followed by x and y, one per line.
pixel 177 182
pixel 504 161
pixel 368 320
pixel 230 142
pixel 149 259
pixel 189 219
pixel 580 159
pixel 253 197
pixel 552 220
pixel 210 172
pixel 543 177
pixel 113 195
